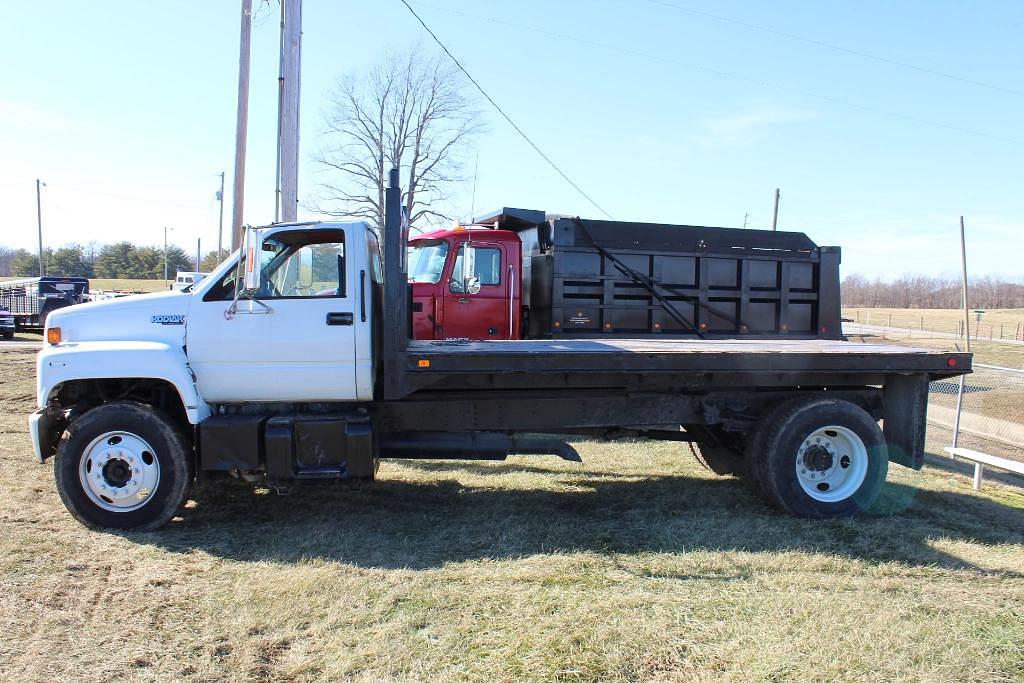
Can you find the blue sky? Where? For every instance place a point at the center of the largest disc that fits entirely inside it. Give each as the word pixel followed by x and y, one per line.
pixel 126 110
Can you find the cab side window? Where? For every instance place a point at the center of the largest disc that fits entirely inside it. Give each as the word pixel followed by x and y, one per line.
pixel 487 267
pixel 293 265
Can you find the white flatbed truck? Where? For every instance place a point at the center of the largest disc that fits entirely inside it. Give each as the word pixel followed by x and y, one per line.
pixel 294 361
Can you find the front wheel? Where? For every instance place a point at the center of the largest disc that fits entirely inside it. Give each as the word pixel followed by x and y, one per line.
pixel 819 457
pixel 123 465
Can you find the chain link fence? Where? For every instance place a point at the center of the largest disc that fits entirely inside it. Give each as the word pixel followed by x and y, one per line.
pixel 985 413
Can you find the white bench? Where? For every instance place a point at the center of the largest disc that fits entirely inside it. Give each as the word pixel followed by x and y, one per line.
pixel 981 459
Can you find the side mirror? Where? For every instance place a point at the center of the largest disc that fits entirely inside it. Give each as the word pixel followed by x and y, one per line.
pixel 470 283
pixel 251 251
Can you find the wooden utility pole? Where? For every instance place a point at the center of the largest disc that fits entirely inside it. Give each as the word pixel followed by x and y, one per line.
pixel 220 223
pixel 241 125
pixel 775 210
pixel 288 111
pixel 39 223
pixel 165 254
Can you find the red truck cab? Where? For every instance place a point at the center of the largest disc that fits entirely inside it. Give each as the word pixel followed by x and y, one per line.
pixel 482 300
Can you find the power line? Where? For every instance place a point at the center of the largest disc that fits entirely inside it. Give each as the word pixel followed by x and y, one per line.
pixel 502 111
pixel 838 48
pixel 726 74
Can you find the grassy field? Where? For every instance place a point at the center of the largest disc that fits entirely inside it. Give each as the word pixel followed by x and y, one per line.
pixel 908 324
pixel 1011 320
pixel 107 284
pixel 636 565
pixel 129 285
pixel 989 353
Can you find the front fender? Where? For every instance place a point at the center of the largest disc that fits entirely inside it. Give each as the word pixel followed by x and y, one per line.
pixel 69 361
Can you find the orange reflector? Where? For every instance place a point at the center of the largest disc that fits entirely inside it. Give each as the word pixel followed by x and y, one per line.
pixel 423 363
pixel 53 335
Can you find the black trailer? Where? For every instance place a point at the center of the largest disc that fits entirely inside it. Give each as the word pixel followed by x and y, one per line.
pixel 30 300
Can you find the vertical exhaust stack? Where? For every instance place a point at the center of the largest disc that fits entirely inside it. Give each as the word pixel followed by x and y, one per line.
pixel 396 291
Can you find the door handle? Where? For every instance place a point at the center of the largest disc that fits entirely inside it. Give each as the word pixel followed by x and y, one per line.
pixel 335 318
pixel 463 300
pixel 362 295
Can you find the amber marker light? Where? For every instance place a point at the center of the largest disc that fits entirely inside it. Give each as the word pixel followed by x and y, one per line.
pixel 423 363
pixel 53 335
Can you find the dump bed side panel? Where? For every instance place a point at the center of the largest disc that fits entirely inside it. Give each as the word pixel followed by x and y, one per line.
pixel 630 279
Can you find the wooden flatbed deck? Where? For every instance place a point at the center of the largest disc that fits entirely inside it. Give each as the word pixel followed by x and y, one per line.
pixel 677 355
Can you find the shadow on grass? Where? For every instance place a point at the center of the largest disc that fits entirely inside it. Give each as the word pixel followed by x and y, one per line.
pixel 421 525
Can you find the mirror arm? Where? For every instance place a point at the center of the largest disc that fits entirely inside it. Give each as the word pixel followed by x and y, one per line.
pixel 232 310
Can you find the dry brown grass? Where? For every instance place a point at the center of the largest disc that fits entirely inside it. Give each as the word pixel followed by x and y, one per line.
pixel 942 319
pixel 636 565
pixel 130 285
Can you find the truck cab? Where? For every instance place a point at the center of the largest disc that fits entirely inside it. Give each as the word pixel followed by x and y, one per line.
pixel 466 283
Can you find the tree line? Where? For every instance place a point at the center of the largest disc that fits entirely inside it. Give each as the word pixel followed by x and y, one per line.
pixel 921 291
pixel 122 260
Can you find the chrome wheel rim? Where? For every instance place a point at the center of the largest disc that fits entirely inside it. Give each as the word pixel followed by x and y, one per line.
pixel 119 471
pixel 831 464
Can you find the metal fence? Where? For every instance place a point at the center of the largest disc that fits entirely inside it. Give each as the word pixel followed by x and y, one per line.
pixel 985 413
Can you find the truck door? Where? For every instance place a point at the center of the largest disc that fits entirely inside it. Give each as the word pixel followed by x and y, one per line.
pixel 297 340
pixel 486 314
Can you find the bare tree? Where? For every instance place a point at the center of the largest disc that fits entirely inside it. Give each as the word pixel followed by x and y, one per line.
pixel 407 112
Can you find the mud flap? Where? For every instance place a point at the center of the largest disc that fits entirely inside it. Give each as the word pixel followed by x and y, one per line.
pixel 45 427
pixel 906 413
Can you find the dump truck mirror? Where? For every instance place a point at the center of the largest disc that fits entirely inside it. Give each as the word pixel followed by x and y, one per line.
pixel 470 283
pixel 251 251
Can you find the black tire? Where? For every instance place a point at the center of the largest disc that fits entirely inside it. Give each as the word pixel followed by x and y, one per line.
pixel 8 336
pixel 721 460
pixel 774 457
pixel 171 451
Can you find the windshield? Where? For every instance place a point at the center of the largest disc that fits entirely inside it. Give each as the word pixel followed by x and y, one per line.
pixel 426 260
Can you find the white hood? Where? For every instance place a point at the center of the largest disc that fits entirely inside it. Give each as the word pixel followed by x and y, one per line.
pixel 156 317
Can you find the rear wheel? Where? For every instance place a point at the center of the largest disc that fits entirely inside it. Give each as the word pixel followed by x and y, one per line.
pixel 123 465
pixel 819 457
